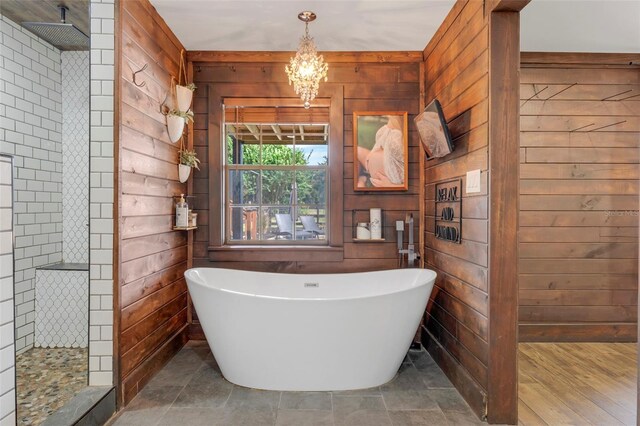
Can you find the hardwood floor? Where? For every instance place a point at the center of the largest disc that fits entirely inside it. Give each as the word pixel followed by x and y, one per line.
pixel 577 383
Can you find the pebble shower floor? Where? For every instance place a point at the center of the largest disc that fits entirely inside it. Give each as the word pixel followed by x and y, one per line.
pixel 46 380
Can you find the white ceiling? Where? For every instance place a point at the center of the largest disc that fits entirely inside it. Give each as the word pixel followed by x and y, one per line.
pixel 342 25
pixel 364 25
pixel 581 26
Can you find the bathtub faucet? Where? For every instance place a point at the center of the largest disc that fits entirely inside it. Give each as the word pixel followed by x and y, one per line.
pixel 410 251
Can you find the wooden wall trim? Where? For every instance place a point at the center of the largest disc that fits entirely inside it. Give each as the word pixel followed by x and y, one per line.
pixel 332 91
pixel 284 57
pixel 507 5
pixel 578 332
pixel 579 58
pixel 422 194
pixel 117 298
pixel 504 119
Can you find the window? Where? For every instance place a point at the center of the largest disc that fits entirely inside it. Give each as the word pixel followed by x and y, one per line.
pixel 276 170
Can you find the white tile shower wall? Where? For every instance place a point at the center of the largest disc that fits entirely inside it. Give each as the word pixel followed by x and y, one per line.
pixel 101 195
pixel 31 127
pixel 7 348
pixel 61 309
pixel 75 156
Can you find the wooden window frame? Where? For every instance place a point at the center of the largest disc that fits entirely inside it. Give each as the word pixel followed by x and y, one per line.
pixel 218 250
pixel 232 103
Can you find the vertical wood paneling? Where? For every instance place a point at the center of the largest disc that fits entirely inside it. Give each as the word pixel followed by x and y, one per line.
pixel 153 257
pixel 578 244
pixel 456 321
pixel 504 103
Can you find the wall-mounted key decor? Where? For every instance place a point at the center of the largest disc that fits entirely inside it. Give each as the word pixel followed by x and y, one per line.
pixel 448 211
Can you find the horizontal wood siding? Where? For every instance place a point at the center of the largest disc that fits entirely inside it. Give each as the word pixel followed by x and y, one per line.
pixel 153 257
pixel 373 86
pixel 456 320
pixel 578 240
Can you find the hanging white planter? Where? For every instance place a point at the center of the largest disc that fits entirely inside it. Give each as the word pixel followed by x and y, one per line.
pixel 184 96
pixel 183 172
pixel 175 127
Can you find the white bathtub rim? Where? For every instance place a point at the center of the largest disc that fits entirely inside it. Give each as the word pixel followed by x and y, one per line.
pixel 190 271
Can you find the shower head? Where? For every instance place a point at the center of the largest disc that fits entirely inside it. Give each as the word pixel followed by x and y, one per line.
pixel 60 34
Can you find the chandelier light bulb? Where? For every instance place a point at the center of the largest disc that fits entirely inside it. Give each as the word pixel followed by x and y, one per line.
pixel 307 68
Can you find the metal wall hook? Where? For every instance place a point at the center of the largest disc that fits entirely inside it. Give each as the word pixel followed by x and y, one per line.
pixel 164 109
pixel 139 71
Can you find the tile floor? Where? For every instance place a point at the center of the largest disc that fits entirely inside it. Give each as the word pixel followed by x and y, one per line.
pixel 191 391
pixel 46 380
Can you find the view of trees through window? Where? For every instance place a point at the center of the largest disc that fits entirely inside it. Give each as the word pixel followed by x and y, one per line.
pixel 276 183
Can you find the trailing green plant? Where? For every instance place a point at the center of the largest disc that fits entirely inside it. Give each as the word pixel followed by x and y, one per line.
pixel 186 115
pixel 189 158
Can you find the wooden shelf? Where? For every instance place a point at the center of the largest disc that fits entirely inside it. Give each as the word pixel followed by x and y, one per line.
pixel 182 228
pixel 369 240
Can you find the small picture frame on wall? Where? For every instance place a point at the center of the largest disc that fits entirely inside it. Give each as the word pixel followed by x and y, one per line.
pixel 380 151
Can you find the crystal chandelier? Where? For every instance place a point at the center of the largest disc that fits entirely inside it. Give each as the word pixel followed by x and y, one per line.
pixel 307 68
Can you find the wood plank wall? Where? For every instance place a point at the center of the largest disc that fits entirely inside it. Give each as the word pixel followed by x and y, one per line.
pixel 390 85
pixel 456 322
pixel 152 292
pixel 578 239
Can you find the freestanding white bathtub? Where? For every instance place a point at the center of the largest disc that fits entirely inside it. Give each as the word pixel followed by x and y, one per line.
pixel 293 332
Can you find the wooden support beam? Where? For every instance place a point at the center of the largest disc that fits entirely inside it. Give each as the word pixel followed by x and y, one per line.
pixel 504 131
pixel 506 5
pixel 254 130
pixel 277 131
pixel 580 58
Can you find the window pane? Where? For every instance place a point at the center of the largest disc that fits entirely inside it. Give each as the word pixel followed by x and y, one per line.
pixel 243 186
pixel 311 141
pixel 277 223
pixel 311 155
pixel 243 223
pixel 313 220
pixel 311 187
pixel 277 153
pixel 277 187
pixel 240 151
